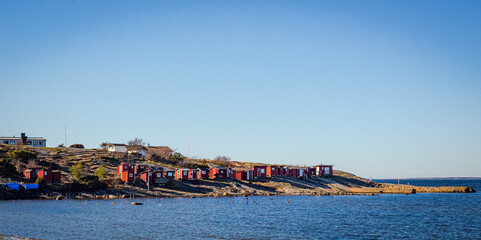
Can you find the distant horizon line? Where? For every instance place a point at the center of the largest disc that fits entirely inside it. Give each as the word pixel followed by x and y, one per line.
pixel 432 178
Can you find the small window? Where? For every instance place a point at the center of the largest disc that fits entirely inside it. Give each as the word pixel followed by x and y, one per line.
pixel 45 173
pixel 35 142
pixel 203 172
pixel 150 174
pixel 221 171
pixel 169 174
pixel 273 169
pixel 185 173
pixel 158 175
pixel 29 142
pixel 131 175
pixel 263 170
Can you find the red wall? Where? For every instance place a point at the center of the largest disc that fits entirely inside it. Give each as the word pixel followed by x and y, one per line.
pixel 128 176
pixel 182 174
pixel 46 174
pixel 217 173
pixel 260 171
pixel 203 176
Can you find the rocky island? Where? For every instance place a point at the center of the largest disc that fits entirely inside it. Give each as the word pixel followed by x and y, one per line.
pixel 88 182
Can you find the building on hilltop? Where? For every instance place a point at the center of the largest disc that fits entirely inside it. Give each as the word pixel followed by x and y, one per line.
pixel 24 140
pixel 117 149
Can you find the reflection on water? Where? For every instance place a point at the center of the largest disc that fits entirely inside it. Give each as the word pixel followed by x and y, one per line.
pixel 418 216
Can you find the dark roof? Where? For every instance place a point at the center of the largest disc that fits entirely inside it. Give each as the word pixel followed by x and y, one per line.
pixel 116 144
pixel 136 148
pixel 218 167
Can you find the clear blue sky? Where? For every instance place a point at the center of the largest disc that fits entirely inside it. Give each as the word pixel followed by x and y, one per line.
pixel 383 88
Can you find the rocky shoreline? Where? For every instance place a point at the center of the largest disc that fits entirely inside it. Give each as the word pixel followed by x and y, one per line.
pixel 339 184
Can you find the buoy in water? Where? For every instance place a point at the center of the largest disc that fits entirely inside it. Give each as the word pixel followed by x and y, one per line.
pixel 111 203
pixel 288 201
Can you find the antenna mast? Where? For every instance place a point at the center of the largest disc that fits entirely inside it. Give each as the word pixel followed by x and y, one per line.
pixel 188 140
pixel 65 129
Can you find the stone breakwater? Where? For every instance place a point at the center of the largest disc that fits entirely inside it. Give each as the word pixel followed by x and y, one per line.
pixel 409 189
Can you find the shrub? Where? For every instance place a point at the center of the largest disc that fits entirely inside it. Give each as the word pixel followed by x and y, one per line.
pixel 104 145
pixel 39 181
pixel 177 158
pixel 22 155
pixel 191 165
pixel 92 182
pixel 76 145
pixel 101 173
pixel 5 164
pixel 77 171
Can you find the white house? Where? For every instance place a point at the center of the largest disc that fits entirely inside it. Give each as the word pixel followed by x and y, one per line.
pixel 117 148
pixel 137 150
pixel 24 140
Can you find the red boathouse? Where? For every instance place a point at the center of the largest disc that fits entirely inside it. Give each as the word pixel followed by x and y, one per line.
pixel 260 171
pixel 182 174
pixel 202 173
pixel 218 172
pixel 323 170
pixel 273 171
pixel 49 176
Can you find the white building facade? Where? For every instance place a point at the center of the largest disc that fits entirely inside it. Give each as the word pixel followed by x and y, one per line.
pixel 24 140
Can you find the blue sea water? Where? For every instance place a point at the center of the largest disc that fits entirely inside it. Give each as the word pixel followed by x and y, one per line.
pixel 416 216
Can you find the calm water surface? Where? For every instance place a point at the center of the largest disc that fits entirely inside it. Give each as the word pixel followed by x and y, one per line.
pixel 417 216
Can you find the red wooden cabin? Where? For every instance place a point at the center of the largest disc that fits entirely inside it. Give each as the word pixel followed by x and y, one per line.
pixel 169 175
pixel 57 176
pixel 273 171
pixel 241 175
pixel 30 174
pixel 147 176
pixel 310 171
pixel 128 176
pixel 260 171
pixel 139 168
pixel 193 173
pixel 230 173
pixel 122 168
pixel 202 173
pixel 182 174
pixel 157 174
pixel 293 172
pixel 46 174
pixel 323 170
pixel 284 171
pixel 49 176
pixel 218 172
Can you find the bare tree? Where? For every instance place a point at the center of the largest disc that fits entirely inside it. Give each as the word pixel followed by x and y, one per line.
pixel 32 164
pixel 137 142
pixel 222 161
pixel 222 158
